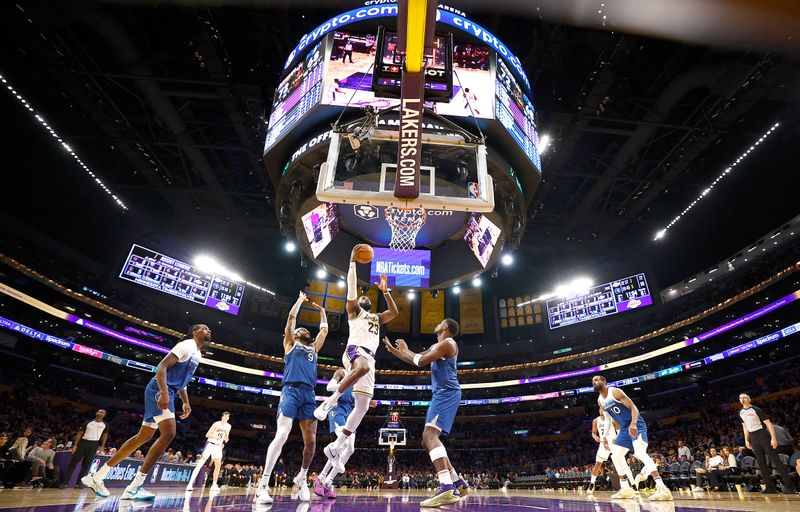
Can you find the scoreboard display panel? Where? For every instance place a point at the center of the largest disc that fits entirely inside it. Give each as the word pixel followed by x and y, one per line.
pixel 159 272
pixel 606 299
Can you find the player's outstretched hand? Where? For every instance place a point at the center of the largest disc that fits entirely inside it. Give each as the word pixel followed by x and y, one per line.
pixel 303 296
pixel 353 253
pixel 383 285
pixel 388 343
pixel 315 305
pixel 187 410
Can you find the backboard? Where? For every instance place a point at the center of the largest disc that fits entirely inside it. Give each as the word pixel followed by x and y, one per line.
pixel 396 436
pixel 361 169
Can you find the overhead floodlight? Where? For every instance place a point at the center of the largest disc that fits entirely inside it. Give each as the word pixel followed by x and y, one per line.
pixel 476 282
pixel 507 259
pixel 321 273
pixel 544 142
pixel 341 283
pixel 290 246
pixel 411 294
pixel 456 290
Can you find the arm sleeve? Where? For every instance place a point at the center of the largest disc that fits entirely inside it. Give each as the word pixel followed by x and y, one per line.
pixel 352 282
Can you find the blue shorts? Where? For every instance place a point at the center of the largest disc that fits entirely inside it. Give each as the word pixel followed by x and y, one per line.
pixel 298 402
pixel 338 416
pixel 443 409
pixel 624 438
pixel 152 414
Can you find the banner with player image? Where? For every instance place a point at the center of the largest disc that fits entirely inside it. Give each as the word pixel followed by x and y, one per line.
pixel 471 307
pixel 432 312
pixel 402 322
pixel 321 226
pixel 349 69
pixel 481 236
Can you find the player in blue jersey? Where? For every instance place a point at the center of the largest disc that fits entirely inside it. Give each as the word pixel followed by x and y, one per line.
pixel 442 410
pixel 173 374
pixel 632 435
pixel 337 417
pixel 297 399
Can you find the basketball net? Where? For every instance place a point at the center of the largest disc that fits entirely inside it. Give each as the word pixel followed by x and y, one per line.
pixel 405 224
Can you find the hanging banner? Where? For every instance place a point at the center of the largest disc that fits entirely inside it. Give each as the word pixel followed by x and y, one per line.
pixel 471 311
pixel 402 322
pixel 432 312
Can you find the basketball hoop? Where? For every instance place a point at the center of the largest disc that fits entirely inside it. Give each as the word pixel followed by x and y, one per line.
pixel 406 224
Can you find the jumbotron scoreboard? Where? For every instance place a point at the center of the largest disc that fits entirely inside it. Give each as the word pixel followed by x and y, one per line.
pixel 606 299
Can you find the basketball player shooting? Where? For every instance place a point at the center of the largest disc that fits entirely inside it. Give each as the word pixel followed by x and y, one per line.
pixel 216 437
pixel 359 356
pixel 442 410
pixel 173 374
pixel 632 435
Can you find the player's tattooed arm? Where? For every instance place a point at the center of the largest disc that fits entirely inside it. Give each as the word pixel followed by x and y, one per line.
pixel 388 315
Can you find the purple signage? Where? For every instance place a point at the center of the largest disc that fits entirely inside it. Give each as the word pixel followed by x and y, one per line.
pixel 402 268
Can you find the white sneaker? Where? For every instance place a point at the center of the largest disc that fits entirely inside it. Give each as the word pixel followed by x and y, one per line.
pixel 138 494
pixel 97 486
pixel 321 412
pixel 214 487
pixel 303 493
pixel 262 492
pixel 698 489
pixel 331 451
pixel 624 494
pixel 662 494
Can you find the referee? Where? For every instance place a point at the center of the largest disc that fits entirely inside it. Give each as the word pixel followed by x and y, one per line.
pixel 759 436
pixel 92 436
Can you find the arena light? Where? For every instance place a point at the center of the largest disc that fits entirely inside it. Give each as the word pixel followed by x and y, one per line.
pixel 290 246
pixel 507 260
pixel 544 143
pixel 477 282
pixel 321 273
pixel 411 294
pixel 456 290
pixel 341 283
pixel 660 233
pixel 41 120
pixel 210 264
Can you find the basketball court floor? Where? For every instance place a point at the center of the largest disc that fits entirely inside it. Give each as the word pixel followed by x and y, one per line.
pixel 236 500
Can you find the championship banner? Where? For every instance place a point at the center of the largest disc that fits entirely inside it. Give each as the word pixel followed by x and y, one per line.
pixel 432 312
pixel 402 322
pixel 471 311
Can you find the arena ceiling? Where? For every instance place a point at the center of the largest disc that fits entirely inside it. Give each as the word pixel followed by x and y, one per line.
pixel 167 102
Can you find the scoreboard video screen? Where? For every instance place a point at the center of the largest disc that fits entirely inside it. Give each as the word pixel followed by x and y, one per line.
pixel 515 111
pixel 154 270
pixel 602 300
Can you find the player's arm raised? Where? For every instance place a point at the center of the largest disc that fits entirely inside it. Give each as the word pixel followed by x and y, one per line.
pixel 352 307
pixel 323 327
pixel 388 315
pixel 291 321
pixel 621 397
pixel 440 350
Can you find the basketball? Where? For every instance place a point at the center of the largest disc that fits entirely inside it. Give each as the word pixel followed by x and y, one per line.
pixel 364 253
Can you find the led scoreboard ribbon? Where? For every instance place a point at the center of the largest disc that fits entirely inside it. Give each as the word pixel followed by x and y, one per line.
pixel 753 315
pixel 136 365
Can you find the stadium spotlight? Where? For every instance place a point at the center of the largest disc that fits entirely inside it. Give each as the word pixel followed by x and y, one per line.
pixel 321 273
pixel 290 246
pixel 411 294
pixel 507 259
pixel 544 142
pixel 476 282
pixel 341 283
pixel 456 290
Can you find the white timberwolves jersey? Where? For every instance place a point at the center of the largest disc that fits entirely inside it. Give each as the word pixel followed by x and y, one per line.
pixel 365 331
pixel 219 431
pixel 601 427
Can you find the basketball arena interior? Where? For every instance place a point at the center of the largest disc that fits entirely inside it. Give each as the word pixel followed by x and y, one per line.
pixel 400 255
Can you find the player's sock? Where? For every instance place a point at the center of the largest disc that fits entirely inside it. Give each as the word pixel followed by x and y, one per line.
pixel 444 477
pixel 303 473
pixel 659 483
pixel 454 476
pixel 623 483
pixel 594 479
pixel 325 470
pixel 138 480
pixel 101 473
pixel 629 474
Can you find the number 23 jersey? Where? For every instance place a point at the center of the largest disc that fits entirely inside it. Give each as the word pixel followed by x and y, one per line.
pixel 365 331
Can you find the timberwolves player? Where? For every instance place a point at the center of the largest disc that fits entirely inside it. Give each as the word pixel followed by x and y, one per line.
pixel 173 374
pixel 297 399
pixel 444 405
pixel 336 420
pixel 358 358
pixel 216 437
pixel 632 436
pixel 599 433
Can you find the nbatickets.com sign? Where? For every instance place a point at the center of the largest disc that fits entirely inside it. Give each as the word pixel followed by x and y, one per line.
pixel 126 470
